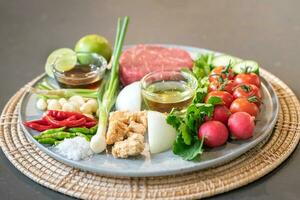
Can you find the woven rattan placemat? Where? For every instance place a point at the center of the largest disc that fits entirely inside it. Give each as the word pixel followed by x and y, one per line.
pixel 249 167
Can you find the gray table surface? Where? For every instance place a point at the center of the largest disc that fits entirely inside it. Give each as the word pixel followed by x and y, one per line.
pixel 266 31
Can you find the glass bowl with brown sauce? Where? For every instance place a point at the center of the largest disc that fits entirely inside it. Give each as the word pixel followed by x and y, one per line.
pixel 164 90
pixel 86 73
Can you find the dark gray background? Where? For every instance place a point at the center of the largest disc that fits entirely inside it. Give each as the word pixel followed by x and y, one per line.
pixel 266 31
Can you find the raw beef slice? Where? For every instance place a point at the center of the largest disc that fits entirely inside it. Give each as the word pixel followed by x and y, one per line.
pixel 140 60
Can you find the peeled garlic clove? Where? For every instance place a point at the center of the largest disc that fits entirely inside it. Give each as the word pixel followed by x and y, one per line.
pixel 62 101
pixel 78 99
pixel 76 106
pixel 41 104
pixel 68 107
pixel 94 104
pixel 86 108
pixel 54 105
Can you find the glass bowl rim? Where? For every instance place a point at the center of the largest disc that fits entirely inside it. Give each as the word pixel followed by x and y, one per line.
pixel 95 72
pixel 186 76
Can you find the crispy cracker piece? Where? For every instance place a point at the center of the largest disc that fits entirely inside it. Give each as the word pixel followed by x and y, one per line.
pixel 122 124
pixel 117 131
pixel 132 146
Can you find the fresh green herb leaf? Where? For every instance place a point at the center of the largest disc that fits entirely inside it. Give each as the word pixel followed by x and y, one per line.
pixel 203 65
pixel 205 109
pixel 254 99
pixel 193 118
pixel 215 100
pixel 187 152
pixel 175 118
pixel 186 134
pixel 201 91
pixel 187 70
pixel 199 96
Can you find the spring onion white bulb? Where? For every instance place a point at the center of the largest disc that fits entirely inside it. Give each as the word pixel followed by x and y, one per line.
pixel 98 143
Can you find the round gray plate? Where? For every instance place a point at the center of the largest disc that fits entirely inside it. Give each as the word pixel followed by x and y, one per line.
pixel 165 163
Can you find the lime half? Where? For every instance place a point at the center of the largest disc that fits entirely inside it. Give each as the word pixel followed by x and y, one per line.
pixel 63 59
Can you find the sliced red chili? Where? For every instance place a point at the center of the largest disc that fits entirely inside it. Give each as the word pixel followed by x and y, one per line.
pixel 61 115
pixel 56 119
pixel 90 124
pixel 39 121
pixel 72 118
pixel 70 123
pixel 37 126
pixel 88 119
pixel 76 123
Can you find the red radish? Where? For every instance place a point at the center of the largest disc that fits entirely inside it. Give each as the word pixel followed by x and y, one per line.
pixel 215 133
pixel 241 125
pixel 221 113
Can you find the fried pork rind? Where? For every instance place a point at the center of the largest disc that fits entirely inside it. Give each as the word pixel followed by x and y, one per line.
pixel 123 123
pixel 137 128
pixel 132 146
pixel 126 132
pixel 117 131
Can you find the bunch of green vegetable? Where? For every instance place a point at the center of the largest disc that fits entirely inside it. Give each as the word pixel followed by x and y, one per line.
pixel 54 136
pixel 187 121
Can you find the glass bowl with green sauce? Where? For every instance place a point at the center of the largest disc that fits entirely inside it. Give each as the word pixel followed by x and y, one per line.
pixel 164 90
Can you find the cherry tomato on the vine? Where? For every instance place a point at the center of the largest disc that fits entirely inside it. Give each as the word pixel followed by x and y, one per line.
pixel 213 86
pixel 227 85
pixel 246 90
pixel 244 105
pixel 249 78
pixel 221 72
pixel 226 97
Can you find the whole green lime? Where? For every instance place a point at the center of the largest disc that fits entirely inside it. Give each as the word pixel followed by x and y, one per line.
pixel 94 44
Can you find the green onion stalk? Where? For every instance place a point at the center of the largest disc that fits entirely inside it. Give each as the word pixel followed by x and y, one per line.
pixel 47 90
pixel 107 93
